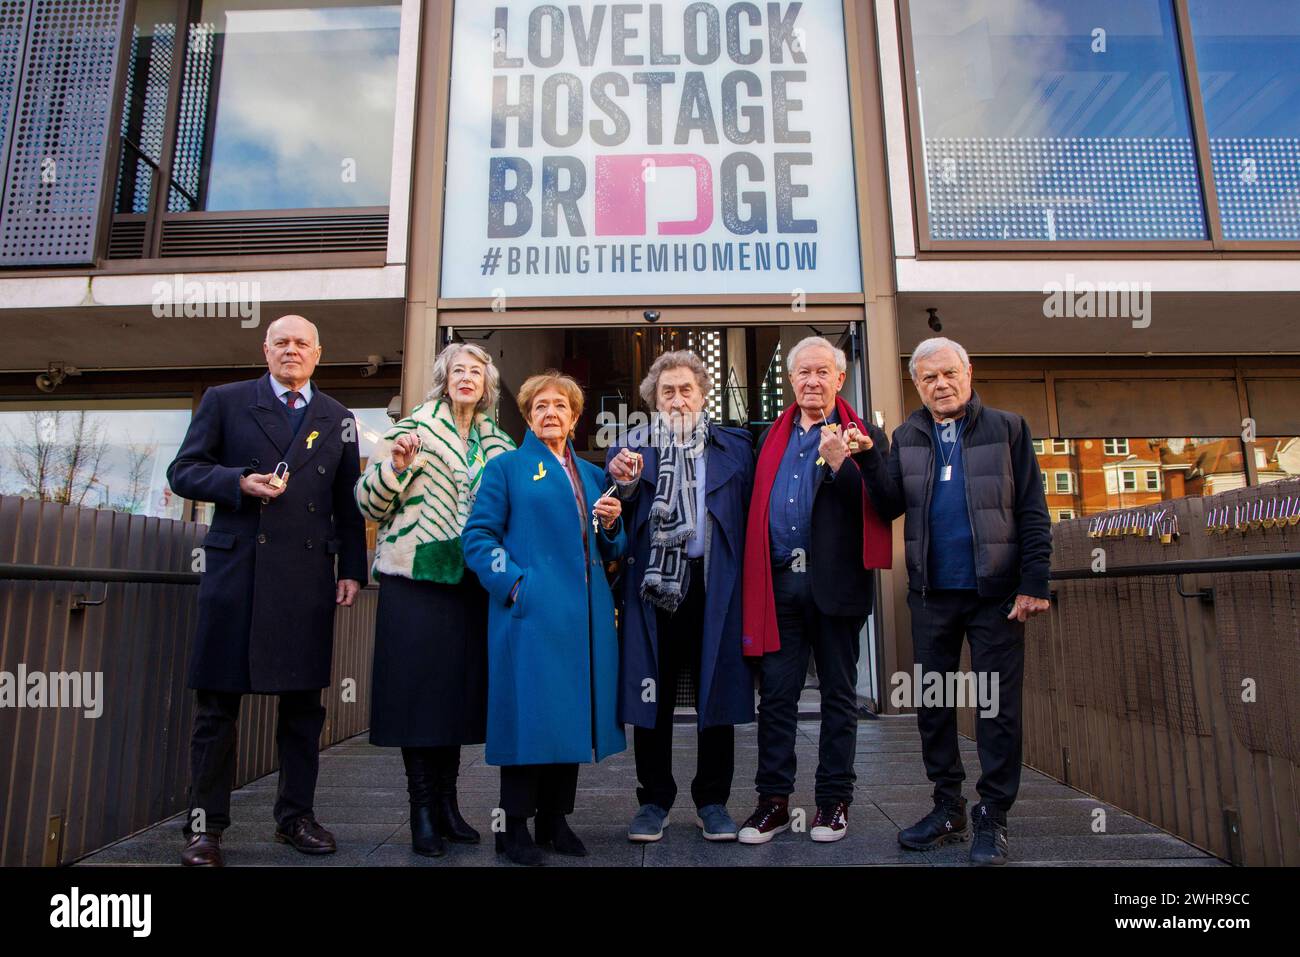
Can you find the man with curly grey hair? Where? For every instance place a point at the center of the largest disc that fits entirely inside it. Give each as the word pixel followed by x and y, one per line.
pixel 686 481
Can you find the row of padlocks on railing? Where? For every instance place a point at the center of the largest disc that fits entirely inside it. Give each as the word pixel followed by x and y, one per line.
pixel 1148 524
pixel 1246 517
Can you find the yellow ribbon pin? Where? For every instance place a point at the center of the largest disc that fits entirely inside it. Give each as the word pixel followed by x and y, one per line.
pixel 541 472
pixel 312 438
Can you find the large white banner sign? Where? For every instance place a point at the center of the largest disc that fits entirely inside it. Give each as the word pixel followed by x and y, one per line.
pixel 648 149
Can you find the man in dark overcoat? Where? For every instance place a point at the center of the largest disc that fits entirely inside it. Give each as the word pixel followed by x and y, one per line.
pixel 278 458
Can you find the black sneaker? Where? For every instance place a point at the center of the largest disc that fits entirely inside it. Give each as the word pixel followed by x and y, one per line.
pixel 990 845
pixel 944 825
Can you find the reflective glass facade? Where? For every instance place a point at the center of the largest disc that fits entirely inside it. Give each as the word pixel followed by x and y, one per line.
pixel 1248 62
pixel 1048 120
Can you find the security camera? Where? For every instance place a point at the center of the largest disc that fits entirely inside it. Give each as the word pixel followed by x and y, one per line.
pixel 651 315
pixel 394 409
pixel 372 366
pixel 53 376
pixel 933 322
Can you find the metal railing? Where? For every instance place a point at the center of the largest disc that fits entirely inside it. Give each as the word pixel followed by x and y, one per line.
pixel 87 592
pixel 1165 677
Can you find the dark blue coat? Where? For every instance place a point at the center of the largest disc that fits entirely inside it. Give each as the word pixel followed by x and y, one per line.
pixel 553 653
pixel 726 692
pixel 267 596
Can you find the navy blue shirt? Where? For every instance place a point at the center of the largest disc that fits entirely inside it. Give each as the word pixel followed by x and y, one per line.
pixel 791 503
pixel 951 562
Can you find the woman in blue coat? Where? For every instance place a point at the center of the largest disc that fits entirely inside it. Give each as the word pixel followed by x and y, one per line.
pixel 537 538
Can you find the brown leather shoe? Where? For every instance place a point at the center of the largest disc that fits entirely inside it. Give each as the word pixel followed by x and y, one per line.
pixel 203 850
pixel 307 836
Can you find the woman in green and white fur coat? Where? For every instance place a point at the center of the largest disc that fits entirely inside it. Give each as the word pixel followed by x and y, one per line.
pixel 429 689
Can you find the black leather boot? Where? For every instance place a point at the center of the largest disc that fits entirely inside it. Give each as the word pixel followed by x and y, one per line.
pixel 517 844
pixel 990 844
pixel 425 837
pixel 451 825
pixel 943 825
pixel 553 831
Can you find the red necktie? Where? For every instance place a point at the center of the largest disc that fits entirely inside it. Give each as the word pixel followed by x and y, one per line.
pixel 292 398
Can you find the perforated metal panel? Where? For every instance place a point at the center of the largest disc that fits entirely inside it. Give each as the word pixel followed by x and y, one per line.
pixel 144 115
pixel 195 110
pixel 58 143
pixel 13 33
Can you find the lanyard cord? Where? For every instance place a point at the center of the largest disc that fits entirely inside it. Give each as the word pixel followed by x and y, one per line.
pixel 955 442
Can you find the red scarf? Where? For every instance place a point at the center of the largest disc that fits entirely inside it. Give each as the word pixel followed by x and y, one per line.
pixel 759 630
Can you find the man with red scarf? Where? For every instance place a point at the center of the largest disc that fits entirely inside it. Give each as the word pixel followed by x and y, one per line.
pixel 811 542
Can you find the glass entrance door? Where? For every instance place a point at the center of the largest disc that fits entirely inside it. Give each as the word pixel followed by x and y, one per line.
pixel 746 363
pixel 750 389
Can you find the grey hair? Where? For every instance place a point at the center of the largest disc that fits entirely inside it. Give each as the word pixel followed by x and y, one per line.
pixel 442 372
pixel 929 347
pixel 841 360
pixel 674 360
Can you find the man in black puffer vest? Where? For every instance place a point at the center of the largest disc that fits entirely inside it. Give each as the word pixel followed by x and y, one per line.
pixel 978 544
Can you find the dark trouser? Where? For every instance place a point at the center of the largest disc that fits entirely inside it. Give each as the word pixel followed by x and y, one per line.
pixel 997 647
pixel 430 772
pixel 681 636
pixel 528 789
pixel 834 641
pixel 214 746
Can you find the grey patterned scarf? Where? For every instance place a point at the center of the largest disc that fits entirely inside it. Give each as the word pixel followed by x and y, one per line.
pixel 672 514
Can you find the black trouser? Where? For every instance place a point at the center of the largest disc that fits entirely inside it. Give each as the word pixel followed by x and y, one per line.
pixel 997 647
pixel 834 641
pixel 680 641
pixel 214 745
pixel 430 772
pixel 528 789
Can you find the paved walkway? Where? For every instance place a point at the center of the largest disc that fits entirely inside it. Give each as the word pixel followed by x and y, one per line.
pixel 361 797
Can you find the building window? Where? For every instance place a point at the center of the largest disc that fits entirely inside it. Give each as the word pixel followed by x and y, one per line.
pixel 288 107
pixel 1248 63
pixel 1064 483
pixel 1064 514
pixel 301 98
pixel 1281 458
pixel 1038 446
pixel 1166 469
pixel 1043 476
pixel 1115 446
pixel 1059 122
pixel 1060 446
pixel 93 455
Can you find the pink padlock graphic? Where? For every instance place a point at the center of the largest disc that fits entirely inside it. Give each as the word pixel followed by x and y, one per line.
pixel 620 194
